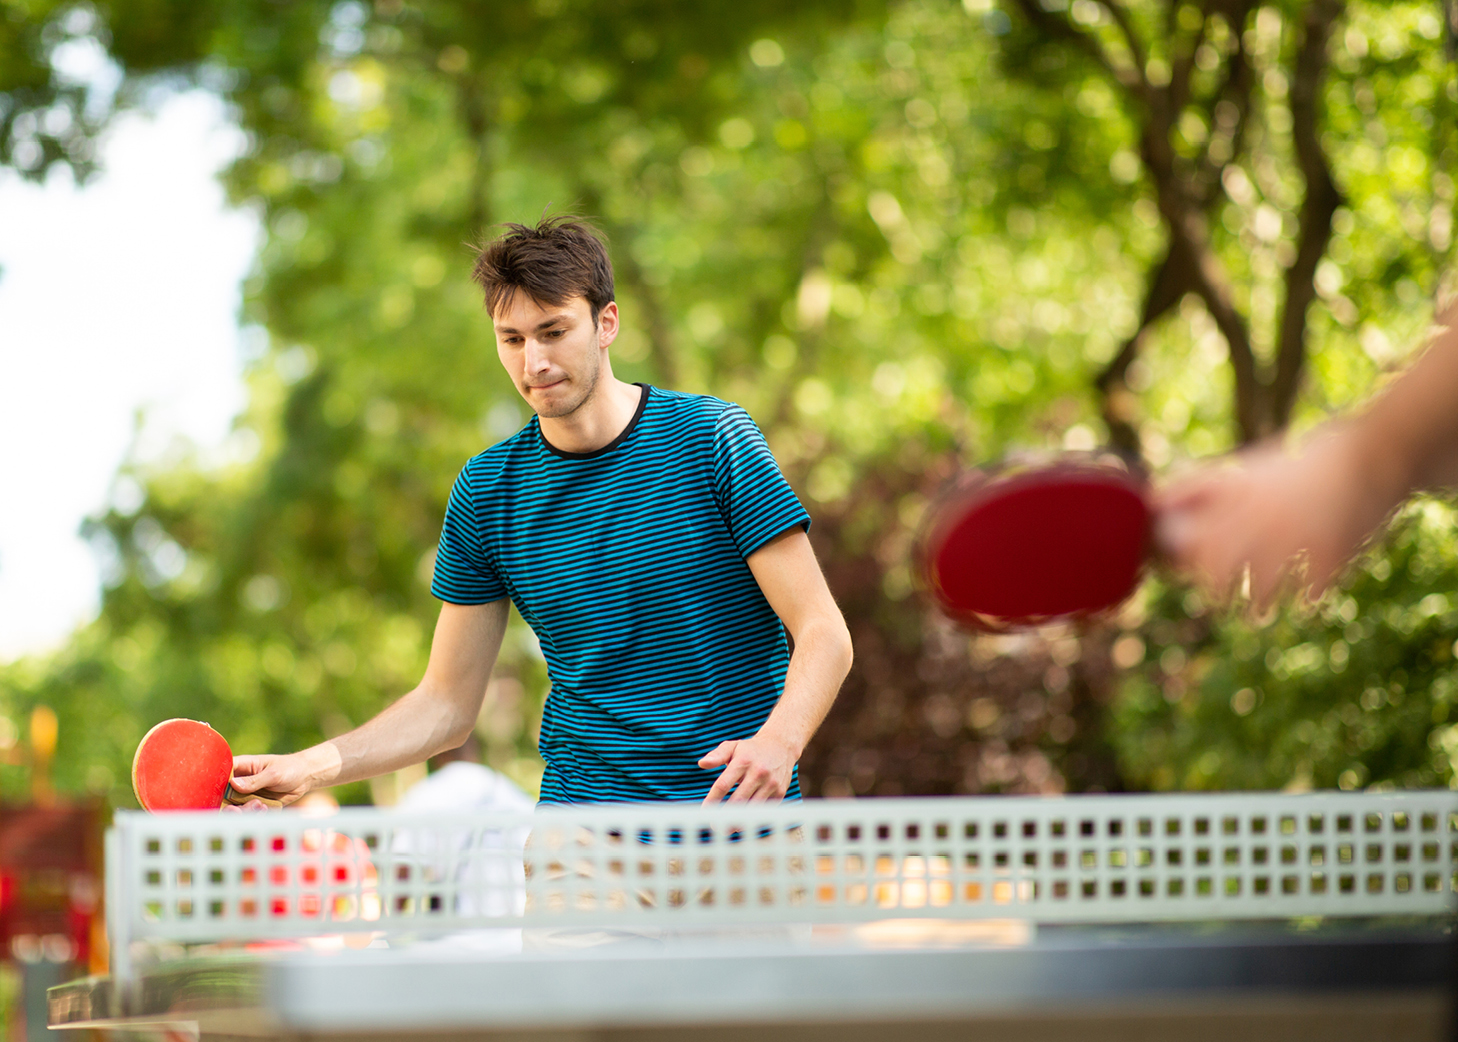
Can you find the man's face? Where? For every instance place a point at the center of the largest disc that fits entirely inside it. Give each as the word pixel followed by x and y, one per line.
pixel 554 352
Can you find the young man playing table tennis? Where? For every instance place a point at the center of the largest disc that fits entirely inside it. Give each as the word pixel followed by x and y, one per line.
pixel 649 540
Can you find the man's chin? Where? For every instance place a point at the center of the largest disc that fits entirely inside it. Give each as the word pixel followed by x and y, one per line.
pixel 557 403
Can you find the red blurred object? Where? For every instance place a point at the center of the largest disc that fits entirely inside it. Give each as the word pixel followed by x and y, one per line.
pixel 1023 547
pixel 50 878
pixel 336 860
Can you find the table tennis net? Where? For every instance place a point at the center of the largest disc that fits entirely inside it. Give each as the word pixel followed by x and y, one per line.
pixel 1130 858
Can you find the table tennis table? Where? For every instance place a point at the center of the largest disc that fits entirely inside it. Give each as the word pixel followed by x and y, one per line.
pixel 1274 916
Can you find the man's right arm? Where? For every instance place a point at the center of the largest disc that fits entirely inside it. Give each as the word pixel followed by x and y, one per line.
pixel 437 715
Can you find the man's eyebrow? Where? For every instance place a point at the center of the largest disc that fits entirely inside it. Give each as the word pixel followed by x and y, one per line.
pixel 546 323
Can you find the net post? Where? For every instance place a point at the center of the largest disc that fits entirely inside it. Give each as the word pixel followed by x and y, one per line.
pixel 118 878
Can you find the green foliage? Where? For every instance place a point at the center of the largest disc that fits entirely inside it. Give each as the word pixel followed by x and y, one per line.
pixel 899 247
pixel 1360 691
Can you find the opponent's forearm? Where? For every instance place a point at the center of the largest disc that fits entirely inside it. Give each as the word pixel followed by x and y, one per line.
pixel 818 667
pixel 1409 434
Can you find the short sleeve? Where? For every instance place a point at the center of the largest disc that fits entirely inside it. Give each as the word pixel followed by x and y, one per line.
pixel 753 495
pixel 463 575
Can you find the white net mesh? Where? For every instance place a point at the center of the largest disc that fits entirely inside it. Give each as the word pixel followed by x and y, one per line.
pixel 206 877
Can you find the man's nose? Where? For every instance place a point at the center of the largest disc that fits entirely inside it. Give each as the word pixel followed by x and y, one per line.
pixel 536 356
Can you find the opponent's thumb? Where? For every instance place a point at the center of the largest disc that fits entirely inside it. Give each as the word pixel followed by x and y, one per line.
pixel 720 756
pixel 1174 534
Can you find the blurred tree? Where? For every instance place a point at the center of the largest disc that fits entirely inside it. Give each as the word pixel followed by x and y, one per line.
pixel 44 115
pixel 1233 135
pixel 1362 692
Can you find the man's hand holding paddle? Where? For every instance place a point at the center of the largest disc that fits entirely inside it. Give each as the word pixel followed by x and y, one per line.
pixel 291 776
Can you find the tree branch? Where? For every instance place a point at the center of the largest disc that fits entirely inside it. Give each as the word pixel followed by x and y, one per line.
pixel 1059 27
pixel 1131 38
pixel 1168 282
pixel 1183 67
pixel 1189 231
pixel 1321 202
pixel 1237 89
pixel 1184 211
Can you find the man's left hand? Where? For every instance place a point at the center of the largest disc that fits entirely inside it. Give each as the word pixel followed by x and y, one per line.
pixel 756 770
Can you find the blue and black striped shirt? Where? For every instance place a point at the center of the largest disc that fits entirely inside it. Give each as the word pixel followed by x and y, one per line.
pixel 629 564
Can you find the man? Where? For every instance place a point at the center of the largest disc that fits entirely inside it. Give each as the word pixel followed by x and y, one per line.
pixel 649 540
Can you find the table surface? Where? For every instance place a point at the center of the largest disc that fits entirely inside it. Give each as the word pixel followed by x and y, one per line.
pixel 1359 980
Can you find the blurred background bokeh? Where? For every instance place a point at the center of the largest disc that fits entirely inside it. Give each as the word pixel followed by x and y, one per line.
pixel 907 237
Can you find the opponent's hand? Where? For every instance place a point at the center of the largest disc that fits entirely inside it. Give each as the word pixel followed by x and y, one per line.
pixel 1294 518
pixel 756 770
pixel 288 776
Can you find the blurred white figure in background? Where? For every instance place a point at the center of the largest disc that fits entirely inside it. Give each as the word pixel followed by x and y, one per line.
pixel 459 781
pixel 478 869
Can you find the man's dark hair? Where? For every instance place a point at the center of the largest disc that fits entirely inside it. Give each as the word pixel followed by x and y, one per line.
pixel 561 257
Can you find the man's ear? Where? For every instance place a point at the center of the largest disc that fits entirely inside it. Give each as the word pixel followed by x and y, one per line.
pixel 607 324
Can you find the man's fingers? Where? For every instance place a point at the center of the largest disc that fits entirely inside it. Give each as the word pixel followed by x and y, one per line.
pixel 725 783
pixel 251 807
pixel 722 754
pixel 754 772
pixel 251 773
pixel 756 786
pixel 251 782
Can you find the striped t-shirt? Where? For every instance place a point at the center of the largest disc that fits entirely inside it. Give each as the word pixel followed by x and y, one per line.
pixel 629 564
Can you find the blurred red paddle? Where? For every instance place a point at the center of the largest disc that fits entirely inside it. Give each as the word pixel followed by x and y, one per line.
pixel 1041 544
pixel 186 765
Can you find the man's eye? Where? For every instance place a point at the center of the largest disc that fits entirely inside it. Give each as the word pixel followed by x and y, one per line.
pixel 557 333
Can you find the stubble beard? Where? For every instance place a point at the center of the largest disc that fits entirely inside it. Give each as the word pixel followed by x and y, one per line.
pixel 588 381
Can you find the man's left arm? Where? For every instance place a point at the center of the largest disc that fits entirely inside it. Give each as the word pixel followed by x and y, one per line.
pixel 759 769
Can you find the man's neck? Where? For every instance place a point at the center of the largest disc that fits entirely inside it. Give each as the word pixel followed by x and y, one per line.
pixel 600 419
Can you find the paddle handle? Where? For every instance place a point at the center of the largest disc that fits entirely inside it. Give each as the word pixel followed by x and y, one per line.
pixel 268 796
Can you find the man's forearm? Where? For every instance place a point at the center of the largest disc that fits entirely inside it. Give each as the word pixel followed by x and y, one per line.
pixel 414 728
pixel 818 667
pixel 437 715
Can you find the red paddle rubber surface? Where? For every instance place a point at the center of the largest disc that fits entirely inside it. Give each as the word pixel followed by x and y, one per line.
pixel 181 765
pixel 1034 546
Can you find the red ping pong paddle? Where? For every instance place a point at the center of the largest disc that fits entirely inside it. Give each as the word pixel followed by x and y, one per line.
pixel 1041 544
pixel 186 765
